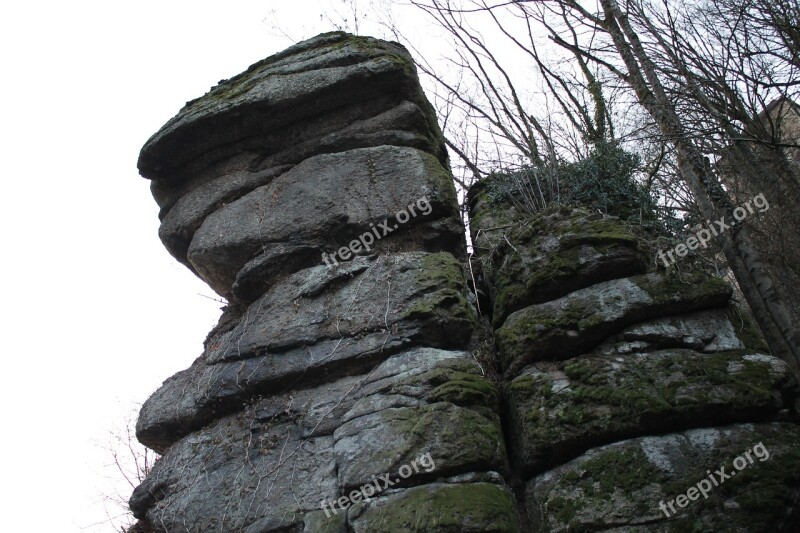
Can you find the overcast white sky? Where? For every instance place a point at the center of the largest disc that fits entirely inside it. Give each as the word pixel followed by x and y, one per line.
pixel 97 314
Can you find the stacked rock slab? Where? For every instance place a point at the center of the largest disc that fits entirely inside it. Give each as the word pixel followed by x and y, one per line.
pixel 625 384
pixel 606 387
pixel 323 375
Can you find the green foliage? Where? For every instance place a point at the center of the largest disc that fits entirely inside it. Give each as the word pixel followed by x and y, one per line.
pixel 605 180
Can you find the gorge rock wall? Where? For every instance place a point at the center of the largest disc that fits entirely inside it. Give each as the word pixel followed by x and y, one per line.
pixel 355 384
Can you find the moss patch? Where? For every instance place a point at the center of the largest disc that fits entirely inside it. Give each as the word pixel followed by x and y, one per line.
pixel 527 270
pixel 696 286
pixel 397 436
pixel 618 486
pixel 440 281
pixel 586 489
pixel 477 507
pixel 461 387
pixel 611 398
pixel 578 322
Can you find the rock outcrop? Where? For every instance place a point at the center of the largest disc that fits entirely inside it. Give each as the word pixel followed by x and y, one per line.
pixel 355 384
pixel 622 383
pixel 341 358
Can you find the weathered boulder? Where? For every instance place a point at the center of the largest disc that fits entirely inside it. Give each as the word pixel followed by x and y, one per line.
pixel 539 258
pixel 598 345
pixel 243 468
pixel 421 404
pixel 306 92
pixel 324 203
pixel 578 322
pixel 559 410
pixel 301 155
pixel 293 451
pixel 315 324
pixel 622 486
pixel 406 124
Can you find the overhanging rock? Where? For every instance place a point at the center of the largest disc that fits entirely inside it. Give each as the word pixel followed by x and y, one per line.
pixel 351 384
pixel 314 192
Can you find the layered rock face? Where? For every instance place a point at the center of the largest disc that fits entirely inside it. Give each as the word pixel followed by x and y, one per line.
pixel 340 390
pixel 355 383
pixel 625 386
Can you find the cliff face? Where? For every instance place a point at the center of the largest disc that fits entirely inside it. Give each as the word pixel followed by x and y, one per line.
pixel 351 384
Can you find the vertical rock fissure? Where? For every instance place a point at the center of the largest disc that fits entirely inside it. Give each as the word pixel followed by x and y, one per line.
pixel 623 383
pixel 351 386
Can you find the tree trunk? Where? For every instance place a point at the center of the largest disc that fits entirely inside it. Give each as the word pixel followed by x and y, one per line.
pixel 754 279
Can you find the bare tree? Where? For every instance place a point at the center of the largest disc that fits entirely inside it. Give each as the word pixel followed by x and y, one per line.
pixel 129 462
pixel 517 93
pixel 660 71
pixel 730 68
pixel 488 98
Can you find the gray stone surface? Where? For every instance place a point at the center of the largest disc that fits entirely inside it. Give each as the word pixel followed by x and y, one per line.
pixel 274 262
pixel 191 209
pixel 238 470
pixel 559 410
pixel 317 321
pixel 312 107
pixel 578 322
pixel 326 202
pixel 705 331
pixel 535 259
pixel 360 125
pixel 619 487
pixel 292 449
pixel 314 78
pixel 440 508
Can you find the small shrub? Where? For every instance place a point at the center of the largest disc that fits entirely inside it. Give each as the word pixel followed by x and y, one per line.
pixel 605 180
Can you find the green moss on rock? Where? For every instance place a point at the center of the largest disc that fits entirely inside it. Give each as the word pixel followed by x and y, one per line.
pixel 578 322
pixel 535 272
pixel 622 485
pixel 695 286
pixel 319 522
pixel 607 398
pixel 461 388
pixel 625 469
pixel 385 440
pixel 467 508
pixel 440 279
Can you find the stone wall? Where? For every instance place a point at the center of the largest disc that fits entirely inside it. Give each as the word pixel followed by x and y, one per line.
pixel 363 371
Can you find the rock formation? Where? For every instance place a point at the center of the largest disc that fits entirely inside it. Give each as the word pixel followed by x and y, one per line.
pixel 353 385
pixel 623 384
